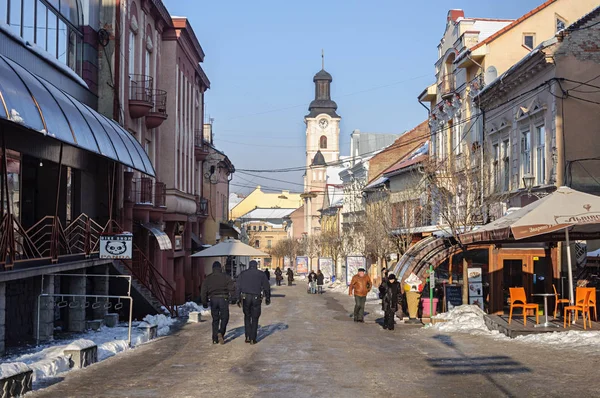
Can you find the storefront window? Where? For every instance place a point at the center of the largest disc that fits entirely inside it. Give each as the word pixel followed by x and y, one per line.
pixel 50 24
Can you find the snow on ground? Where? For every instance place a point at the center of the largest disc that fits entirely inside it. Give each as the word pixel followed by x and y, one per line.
pixel 585 341
pixel 49 359
pixel 11 369
pixel 463 319
pixel 190 306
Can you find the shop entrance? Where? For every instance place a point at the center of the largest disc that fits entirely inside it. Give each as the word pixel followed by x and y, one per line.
pixel 513 277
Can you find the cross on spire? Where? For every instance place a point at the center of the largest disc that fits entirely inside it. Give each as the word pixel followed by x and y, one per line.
pixel 322 59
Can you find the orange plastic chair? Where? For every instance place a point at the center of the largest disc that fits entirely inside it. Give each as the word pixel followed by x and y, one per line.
pixel 557 300
pixel 584 308
pixel 517 294
pixel 579 299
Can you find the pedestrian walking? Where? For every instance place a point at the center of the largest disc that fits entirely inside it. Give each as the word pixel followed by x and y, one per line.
pixel 312 282
pixel 360 285
pixel 252 286
pixel 384 274
pixel 390 294
pixel 290 276
pixel 268 274
pixel 219 289
pixel 278 276
pixel 320 281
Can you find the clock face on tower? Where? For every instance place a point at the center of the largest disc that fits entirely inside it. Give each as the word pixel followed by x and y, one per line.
pixel 323 123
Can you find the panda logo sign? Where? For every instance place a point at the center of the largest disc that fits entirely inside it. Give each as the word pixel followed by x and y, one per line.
pixel 116 246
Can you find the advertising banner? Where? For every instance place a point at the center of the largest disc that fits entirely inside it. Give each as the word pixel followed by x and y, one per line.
pixel 326 267
pixel 475 286
pixel 353 263
pixel 302 265
pixel 116 246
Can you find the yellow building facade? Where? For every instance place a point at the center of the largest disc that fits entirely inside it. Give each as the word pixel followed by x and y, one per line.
pixel 260 199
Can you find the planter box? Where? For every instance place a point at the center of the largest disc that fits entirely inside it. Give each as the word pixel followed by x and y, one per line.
pixel 94 325
pixel 111 320
pixel 16 383
pixel 82 356
pixel 150 331
pixel 195 317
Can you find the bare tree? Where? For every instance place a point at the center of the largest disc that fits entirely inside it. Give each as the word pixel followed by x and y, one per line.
pixel 460 189
pixel 311 246
pixel 377 227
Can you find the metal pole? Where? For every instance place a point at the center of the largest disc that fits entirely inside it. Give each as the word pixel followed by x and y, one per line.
pixel 130 318
pixel 37 338
pixel 431 287
pixel 569 267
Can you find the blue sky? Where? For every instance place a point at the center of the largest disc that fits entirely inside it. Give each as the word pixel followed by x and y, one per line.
pixel 261 56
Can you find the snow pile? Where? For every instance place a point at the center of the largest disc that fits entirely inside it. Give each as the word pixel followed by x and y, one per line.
pixel 11 369
pixel 111 348
pixel 80 344
pixel 190 306
pixel 462 319
pixel 338 287
pixel 164 323
pixel 50 367
pixel 573 339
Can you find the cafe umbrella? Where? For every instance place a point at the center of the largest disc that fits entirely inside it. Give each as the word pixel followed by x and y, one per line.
pixel 230 247
pixel 574 212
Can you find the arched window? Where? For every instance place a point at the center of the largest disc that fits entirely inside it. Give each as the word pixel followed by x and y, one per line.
pixel 323 142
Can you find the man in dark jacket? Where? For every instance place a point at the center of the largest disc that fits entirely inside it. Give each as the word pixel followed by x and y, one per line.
pixel 252 284
pixel 290 276
pixel 320 281
pixel 312 282
pixel 268 274
pixel 390 294
pixel 218 288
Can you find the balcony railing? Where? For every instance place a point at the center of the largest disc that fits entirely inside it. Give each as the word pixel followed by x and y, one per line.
pixel 140 95
pixel 160 194
pixel 158 112
pixel 146 192
pixel 447 85
pixel 201 206
pixel 200 145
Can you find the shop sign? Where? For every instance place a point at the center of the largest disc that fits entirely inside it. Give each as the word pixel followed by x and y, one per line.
pixel 119 246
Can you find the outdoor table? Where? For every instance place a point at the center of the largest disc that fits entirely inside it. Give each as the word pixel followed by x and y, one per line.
pixel 546 323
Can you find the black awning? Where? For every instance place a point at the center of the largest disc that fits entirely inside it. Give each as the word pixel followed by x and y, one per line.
pixel 164 243
pixel 30 101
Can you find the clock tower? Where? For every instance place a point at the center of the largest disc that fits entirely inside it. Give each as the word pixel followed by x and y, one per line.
pixel 322 148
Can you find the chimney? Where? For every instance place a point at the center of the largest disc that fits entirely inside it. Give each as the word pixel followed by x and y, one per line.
pixel 453 15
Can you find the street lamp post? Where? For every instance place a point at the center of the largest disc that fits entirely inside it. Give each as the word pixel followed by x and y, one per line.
pixel 528 182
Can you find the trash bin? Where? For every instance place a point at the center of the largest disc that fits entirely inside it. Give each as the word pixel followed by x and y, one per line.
pixel 425 303
pixel 412 299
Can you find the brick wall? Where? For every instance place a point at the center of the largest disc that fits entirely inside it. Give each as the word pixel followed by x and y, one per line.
pixel 401 148
pixel 584 42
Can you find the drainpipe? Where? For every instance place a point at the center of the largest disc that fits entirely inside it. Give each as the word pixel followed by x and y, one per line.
pixel 425 106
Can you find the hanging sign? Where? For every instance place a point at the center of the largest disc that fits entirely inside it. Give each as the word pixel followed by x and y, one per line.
pixel 116 246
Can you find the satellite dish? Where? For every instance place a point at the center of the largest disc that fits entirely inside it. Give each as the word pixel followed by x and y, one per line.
pixel 490 75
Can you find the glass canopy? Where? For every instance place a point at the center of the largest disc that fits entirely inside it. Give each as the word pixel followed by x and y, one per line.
pixel 31 101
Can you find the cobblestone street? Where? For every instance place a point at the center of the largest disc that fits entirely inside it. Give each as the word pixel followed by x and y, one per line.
pixel 309 347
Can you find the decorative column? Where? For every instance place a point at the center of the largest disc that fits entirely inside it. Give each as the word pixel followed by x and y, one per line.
pixel 46 311
pixel 77 285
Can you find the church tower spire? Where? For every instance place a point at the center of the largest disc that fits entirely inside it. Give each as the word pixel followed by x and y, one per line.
pixel 322 102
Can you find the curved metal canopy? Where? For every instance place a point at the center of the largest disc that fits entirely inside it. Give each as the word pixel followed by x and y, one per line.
pixel 33 102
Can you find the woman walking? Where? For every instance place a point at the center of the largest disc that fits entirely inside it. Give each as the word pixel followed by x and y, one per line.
pixel 278 276
pixel 290 276
pixel 389 291
pixel 320 281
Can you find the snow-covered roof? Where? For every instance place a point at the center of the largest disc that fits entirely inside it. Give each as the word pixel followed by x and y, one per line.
pixel 333 175
pixel 487 28
pixel 380 181
pixel 267 214
pixel 336 195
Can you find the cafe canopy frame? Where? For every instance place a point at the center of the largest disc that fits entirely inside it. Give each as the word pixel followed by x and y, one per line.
pixel 562 215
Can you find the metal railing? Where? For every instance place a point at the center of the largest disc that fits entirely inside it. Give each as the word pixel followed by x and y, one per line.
pixel 159 101
pixel 140 88
pixel 141 191
pixel 144 272
pixel 199 141
pixel 447 84
pixel 160 194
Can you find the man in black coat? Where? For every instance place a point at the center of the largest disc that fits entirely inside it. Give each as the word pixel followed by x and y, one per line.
pixel 218 288
pixel 252 284
pixel 390 294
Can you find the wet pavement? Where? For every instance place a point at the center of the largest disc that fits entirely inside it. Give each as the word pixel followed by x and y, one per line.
pixel 310 347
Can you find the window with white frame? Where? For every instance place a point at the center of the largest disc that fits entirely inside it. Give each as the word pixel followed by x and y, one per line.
pixel 540 156
pixel 506 164
pixel 525 153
